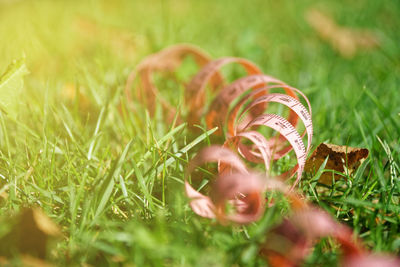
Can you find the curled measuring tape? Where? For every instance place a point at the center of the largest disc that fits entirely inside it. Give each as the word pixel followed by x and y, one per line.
pixel 166 60
pixel 289 243
pixel 256 85
pixel 243 189
pixel 239 110
pixel 195 92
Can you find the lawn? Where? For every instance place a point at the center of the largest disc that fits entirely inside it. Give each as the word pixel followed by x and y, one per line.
pixel 111 179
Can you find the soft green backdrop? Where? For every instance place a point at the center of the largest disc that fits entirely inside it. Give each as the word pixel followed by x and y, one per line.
pixel 64 152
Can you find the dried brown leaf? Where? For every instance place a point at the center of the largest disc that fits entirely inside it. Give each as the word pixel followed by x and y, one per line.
pixel 45 224
pixel 346 41
pixel 30 233
pixel 4 195
pixel 342 159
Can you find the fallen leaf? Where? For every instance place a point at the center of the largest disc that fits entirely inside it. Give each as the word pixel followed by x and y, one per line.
pixel 342 159
pixel 345 40
pixel 4 195
pixel 29 234
pixel 44 223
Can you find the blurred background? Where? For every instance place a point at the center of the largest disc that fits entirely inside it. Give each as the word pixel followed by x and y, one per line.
pixel 344 55
pixel 329 49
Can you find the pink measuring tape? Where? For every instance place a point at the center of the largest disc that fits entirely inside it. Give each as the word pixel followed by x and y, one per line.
pixel 235 184
pixel 252 94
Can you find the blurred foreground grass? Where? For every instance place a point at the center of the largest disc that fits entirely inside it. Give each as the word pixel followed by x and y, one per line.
pixel 70 151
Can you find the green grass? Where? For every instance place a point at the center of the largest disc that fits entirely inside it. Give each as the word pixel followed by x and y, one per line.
pixel 114 183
